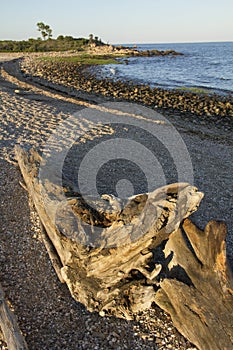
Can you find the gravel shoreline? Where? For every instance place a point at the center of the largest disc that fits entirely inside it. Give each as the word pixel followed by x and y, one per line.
pixel 47 314
pixel 81 77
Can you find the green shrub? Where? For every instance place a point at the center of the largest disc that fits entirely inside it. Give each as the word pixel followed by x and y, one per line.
pixel 62 43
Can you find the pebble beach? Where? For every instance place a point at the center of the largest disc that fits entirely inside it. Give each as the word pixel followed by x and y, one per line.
pixel 34 100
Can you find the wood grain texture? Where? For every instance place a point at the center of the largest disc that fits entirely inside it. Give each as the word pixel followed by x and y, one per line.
pixel 202 311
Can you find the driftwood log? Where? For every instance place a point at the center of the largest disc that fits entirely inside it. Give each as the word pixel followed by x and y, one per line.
pixel 9 326
pixel 105 252
pixel 118 257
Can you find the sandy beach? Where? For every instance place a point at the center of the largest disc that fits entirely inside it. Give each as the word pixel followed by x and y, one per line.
pixel 48 316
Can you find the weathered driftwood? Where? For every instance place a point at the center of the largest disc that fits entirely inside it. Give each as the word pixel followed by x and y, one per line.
pixel 203 310
pixel 112 260
pixel 52 253
pixel 107 253
pixel 9 326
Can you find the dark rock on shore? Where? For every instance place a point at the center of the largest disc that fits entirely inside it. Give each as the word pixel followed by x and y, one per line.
pixel 126 51
pixel 151 53
pixel 80 77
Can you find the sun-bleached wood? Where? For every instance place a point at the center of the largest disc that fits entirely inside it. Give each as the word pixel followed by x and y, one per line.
pixel 203 309
pixel 9 326
pixel 118 257
pixel 107 254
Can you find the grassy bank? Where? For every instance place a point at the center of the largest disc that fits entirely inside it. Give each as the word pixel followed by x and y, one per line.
pixel 87 59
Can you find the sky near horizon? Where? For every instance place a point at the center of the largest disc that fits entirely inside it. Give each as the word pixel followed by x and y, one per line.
pixel 121 21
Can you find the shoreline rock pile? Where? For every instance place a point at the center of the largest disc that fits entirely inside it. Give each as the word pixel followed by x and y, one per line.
pixel 81 77
pixel 129 51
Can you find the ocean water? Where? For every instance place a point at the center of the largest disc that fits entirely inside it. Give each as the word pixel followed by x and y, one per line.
pixel 204 65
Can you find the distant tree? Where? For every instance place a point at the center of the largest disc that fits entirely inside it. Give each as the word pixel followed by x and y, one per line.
pixel 45 30
pixel 49 31
pixel 68 38
pixel 91 38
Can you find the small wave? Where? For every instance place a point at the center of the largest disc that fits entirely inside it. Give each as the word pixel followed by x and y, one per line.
pixel 214 63
pixel 227 79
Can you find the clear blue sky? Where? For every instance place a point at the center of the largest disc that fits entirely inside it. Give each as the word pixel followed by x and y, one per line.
pixel 121 21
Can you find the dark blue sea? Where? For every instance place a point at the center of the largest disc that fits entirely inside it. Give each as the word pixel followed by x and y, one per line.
pixel 206 66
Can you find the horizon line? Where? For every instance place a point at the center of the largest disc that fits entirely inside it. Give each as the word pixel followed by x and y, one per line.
pixel 140 42
pixel 174 42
